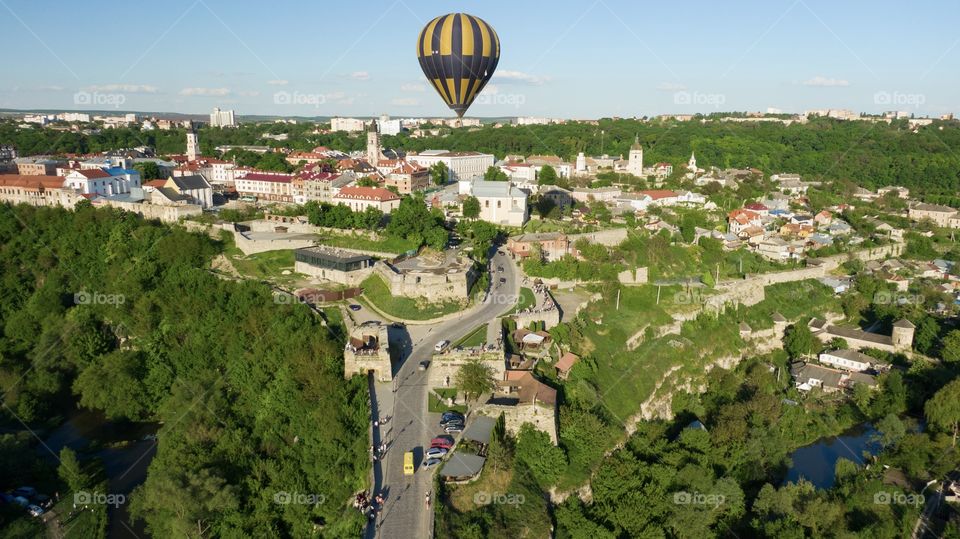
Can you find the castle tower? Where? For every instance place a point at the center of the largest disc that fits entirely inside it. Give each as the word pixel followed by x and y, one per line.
pixel 903 335
pixel 373 144
pixel 193 146
pixel 635 160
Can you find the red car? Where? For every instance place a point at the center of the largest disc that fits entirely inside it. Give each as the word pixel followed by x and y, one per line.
pixel 441 441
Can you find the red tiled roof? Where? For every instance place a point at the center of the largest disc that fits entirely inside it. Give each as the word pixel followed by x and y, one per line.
pixel 657 194
pixel 756 206
pixel 368 193
pixel 155 183
pixel 31 182
pixel 93 173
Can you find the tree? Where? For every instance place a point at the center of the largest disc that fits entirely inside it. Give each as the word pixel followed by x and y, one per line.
pixel 148 170
pixel 471 207
pixel 71 472
pixel 368 182
pixel 475 378
pixel 545 460
pixel 799 341
pixel 495 174
pixel 950 349
pixel 545 207
pixel 943 409
pixel 547 176
pixel 413 221
pixel 439 173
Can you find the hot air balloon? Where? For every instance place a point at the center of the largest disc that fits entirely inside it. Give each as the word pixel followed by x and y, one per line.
pixel 458 53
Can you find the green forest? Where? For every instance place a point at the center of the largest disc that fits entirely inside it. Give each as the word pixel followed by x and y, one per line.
pixel 107 311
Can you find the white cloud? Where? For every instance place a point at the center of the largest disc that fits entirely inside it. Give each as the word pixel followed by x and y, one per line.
pixel 126 88
pixel 53 88
pixel 825 82
pixel 215 92
pixel 671 87
pixel 278 82
pixel 519 76
pixel 360 75
pixel 413 87
pixel 248 93
pixel 405 101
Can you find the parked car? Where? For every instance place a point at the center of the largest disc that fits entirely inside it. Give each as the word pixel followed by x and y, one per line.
pixel 451 421
pixel 354 307
pixel 26 492
pixel 430 462
pixel 441 346
pixel 21 501
pixel 452 413
pixel 503 280
pixel 34 510
pixel 436 452
pixel 453 427
pixel 423 365
pixel 445 442
pixel 398 325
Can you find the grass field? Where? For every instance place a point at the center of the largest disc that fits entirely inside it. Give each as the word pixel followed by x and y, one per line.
pixel 378 293
pixel 268 265
pixel 477 337
pixel 437 403
pixel 527 299
pixel 386 245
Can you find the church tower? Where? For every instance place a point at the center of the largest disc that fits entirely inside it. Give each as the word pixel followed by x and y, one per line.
pixel 581 163
pixel 692 163
pixel 373 144
pixel 193 146
pixel 635 160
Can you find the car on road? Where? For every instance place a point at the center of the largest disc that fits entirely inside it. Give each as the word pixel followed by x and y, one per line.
pixel 422 366
pixel 453 427
pixel 446 442
pixel 431 462
pixel 21 501
pixel 500 269
pixel 436 452
pixel 441 346
pixel 503 280
pixel 34 510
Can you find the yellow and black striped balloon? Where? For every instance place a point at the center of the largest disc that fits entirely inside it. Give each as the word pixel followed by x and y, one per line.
pixel 458 53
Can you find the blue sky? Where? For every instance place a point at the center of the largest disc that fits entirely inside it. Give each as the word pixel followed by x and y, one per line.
pixel 577 59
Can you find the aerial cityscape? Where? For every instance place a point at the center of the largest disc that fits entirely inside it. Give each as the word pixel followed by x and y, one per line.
pixel 410 269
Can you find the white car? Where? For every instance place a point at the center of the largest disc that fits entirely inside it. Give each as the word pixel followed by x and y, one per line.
pixel 441 346
pixel 436 452
pixel 34 510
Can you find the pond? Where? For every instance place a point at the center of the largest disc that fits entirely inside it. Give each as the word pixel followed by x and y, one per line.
pixel 816 462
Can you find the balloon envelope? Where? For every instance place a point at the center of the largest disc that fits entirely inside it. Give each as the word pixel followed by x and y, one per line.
pixel 458 53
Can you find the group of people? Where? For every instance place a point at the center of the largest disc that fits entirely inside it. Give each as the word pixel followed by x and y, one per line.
pixel 367 506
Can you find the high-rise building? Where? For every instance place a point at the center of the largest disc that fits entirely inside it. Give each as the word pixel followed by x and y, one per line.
pixel 193 146
pixel 346 124
pixel 222 118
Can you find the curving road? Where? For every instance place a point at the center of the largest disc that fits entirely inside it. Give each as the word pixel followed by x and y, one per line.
pixel 405 513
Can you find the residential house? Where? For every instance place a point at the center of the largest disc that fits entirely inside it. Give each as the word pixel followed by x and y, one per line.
pixel 268 186
pixel 851 360
pixel 741 219
pixel 551 245
pixel 566 362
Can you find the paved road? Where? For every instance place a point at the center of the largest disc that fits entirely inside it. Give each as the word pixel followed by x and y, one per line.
pixel 405 514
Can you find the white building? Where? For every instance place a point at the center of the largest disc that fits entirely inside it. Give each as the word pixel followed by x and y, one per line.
pixel 359 199
pixel 222 118
pixel 501 203
pixel 100 182
pixel 265 186
pixel 851 360
pixel 388 126
pixel 462 165
pixel 347 124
